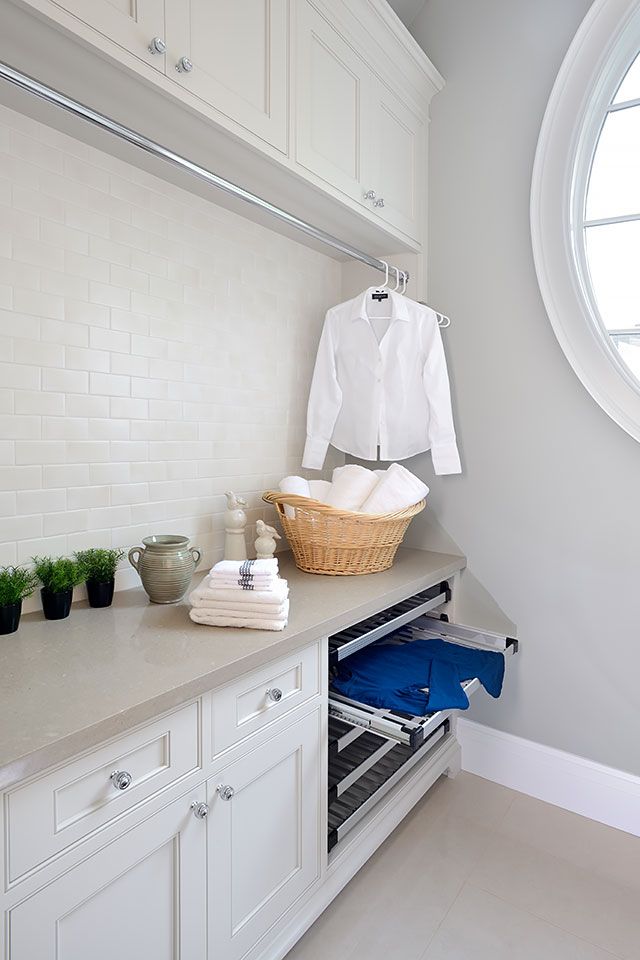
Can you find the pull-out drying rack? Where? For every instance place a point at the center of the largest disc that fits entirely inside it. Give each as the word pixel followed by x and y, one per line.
pixel 371 748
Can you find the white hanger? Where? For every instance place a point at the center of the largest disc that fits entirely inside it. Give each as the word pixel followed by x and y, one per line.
pixel 443 321
pixel 404 282
pixel 386 276
pixel 398 279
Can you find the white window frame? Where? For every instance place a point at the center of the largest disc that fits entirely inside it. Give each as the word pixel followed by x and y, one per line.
pixel 604 46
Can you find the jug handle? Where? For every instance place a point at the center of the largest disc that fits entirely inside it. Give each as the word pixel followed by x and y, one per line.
pixel 193 552
pixel 132 553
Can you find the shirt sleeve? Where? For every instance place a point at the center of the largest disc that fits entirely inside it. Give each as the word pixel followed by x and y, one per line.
pixel 325 400
pixel 435 379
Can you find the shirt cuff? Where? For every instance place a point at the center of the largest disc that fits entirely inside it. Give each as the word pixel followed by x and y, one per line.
pixel 315 451
pixel 446 458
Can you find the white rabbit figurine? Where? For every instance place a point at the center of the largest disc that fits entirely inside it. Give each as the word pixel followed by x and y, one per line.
pixel 266 540
pixel 235 520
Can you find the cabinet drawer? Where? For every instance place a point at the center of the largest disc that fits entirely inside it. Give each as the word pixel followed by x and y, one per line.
pixel 65 805
pixel 257 699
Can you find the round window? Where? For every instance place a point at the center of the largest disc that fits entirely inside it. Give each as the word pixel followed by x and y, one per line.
pixel 585 208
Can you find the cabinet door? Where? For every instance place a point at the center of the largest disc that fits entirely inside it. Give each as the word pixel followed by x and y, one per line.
pixel 395 162
pixel 239 52
pixel 332 87
pixel 143 896
pixel 130 23
pixel 264 841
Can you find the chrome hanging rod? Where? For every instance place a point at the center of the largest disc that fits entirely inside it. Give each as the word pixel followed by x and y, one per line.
pixel 156 149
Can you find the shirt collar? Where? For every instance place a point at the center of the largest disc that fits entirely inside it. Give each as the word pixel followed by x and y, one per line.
pixel 399 307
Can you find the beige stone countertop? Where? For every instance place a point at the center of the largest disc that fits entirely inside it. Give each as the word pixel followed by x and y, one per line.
pixel 67 685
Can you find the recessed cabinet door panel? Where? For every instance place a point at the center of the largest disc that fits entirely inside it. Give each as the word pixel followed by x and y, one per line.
pixel 331 110
pixel 130 23
pixel 263 841
pixel 239 51
pixel 397 162
pixel 143 896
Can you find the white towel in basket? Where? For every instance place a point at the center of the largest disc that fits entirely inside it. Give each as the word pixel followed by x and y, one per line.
pixel 396 490
pixel 351 486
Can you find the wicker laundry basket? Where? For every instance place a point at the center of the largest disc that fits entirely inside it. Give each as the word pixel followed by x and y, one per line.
pixel 337 542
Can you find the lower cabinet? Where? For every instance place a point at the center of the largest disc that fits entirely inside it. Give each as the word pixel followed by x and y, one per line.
pixel 264 841
pixel 218 867
pixel 142 896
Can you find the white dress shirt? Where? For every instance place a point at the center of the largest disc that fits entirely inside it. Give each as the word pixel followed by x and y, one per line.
pixel 381 383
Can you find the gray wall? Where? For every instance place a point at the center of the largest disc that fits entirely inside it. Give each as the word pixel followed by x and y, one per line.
pixel 547 509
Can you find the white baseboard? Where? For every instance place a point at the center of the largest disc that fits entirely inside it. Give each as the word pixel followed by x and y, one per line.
pixel 601 793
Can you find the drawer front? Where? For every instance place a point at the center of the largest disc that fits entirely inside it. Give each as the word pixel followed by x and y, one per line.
pixel 257 699
pixel 65 805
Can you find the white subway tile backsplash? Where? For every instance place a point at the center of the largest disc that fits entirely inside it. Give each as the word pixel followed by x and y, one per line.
pixel 67 522
pixel 13 427
pixel 108 295
pixel 80 358
pixel 20 478
pixel 67 381
pixel 38 304
pixel 142 369
pixel 39 451
pixel 39 354
pixel 134 409
pixel 86 406
pixel 69 475
pixel 109 384
pixel 79 497
pixel 35 402
pixel 112 340
pixel 8 504
pixel 65 428
pixel 129 366
pixel 41 501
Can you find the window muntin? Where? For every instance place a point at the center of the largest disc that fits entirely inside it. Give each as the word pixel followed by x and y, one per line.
pixel 611 226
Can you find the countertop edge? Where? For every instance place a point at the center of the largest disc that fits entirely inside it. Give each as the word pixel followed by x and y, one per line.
pixel 79 742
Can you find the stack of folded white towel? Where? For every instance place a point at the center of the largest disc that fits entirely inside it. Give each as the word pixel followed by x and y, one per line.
pixel 360 490
pixel 246 593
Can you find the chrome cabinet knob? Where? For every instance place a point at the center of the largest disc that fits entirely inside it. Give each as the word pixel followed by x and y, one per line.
pixel 370 195
pixel 200 810
pixel 157 45
pixel 274 694
pixel 225 792
pixel 184 65
pixel 379 202
pixel 121 779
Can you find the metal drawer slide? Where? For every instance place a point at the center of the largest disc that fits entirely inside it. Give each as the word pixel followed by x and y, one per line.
pixel 354 638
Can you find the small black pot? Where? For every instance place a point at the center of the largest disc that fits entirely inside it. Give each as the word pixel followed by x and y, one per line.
pixel 10 617
pixel 100 594
pixel 56 606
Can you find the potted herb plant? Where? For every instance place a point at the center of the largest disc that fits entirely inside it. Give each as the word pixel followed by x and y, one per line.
pixel 99 571
pixel 16 583
pixel 58 576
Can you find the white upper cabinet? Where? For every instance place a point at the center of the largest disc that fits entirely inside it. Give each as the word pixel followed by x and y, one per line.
pixel 238 50
pixel 395 162
pixel 132 24
pixel 331 85
pixel 352 131
pixel 305 100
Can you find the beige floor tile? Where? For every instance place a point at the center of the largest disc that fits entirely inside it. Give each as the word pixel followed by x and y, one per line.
pixel 480 926
pixel 479 800
pixel 393 906
pixel 593 846
pixel 587 905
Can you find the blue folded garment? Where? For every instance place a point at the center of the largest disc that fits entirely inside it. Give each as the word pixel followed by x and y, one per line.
pixel 393 675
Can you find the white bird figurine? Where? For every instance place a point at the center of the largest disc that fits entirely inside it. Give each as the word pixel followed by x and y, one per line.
pixel 266 540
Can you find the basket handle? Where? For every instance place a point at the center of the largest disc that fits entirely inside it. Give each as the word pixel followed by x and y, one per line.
pixel 294 500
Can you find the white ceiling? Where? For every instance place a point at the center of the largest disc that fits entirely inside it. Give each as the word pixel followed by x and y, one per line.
pixel 407 10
